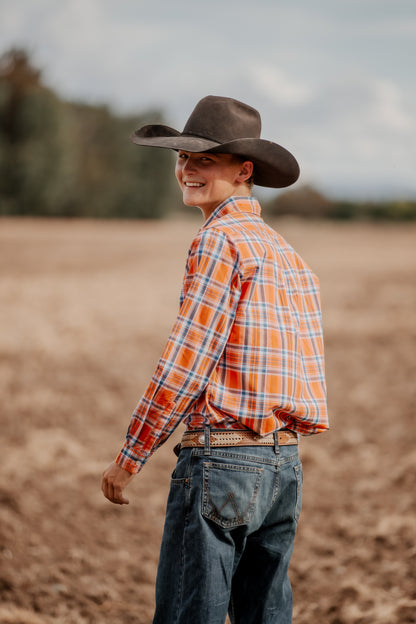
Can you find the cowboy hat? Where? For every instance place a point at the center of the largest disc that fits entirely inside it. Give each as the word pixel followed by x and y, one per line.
pixel 227 126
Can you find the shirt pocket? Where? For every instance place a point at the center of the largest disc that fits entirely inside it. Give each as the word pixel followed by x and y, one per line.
pixel 229 493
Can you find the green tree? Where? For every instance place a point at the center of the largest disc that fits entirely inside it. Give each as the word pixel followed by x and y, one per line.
pixel 31 163
pixel 304 201
pixel 115 178
pixel 69 159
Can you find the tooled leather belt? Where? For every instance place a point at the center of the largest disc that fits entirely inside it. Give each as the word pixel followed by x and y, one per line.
pixel 237 438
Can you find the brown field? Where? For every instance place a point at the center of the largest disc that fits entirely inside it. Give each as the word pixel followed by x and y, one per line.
pixel 85 310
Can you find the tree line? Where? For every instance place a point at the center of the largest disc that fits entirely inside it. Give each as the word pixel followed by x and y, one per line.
pixel 71 159
pixel 307 202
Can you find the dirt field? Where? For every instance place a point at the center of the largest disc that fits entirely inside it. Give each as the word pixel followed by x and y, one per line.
pixel 85 310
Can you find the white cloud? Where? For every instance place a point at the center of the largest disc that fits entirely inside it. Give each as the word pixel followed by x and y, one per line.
pixel 274 84
pixel 86 50
pixel 389 109
pixel 353 134
pixel 397 25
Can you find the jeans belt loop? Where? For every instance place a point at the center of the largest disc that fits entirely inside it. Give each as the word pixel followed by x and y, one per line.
pixel 276 442
pixel 207 440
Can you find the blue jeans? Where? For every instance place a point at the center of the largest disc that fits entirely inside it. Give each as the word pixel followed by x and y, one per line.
pixel 230 523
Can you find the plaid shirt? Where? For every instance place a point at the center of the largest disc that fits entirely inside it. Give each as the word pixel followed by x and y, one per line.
pixel 246 350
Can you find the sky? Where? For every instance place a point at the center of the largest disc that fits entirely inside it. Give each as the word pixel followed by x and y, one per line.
pixel 334 80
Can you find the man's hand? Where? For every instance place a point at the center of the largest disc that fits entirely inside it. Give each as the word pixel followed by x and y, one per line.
pixel 114 481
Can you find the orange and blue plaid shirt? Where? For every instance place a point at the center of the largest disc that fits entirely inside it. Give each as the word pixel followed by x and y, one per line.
pixel 246 350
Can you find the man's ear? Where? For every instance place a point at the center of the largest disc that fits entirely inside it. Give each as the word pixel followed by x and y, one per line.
pixel 246 171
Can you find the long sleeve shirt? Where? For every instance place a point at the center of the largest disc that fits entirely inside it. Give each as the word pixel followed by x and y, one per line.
pixel 246 350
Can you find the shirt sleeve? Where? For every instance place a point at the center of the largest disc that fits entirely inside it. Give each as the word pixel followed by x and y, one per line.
pixel 210 295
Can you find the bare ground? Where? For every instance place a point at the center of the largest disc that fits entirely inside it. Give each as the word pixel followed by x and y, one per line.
pixel 85 310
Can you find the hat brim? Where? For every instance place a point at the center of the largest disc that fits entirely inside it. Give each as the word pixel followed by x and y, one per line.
pixel 274 166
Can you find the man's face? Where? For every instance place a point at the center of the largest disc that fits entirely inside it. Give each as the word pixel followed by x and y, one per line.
pixel 206 180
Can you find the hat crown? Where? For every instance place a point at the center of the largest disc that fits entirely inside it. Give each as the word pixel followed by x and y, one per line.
pixel 222 120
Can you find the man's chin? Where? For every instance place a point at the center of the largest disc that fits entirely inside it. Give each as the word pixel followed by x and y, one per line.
pixel 189 201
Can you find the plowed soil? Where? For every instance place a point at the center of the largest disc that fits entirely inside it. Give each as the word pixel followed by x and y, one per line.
pixel 85 310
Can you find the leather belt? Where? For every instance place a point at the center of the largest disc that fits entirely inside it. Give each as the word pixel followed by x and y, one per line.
pixel 237 438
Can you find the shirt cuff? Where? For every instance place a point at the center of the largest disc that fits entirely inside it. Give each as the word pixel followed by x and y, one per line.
pixel 128 460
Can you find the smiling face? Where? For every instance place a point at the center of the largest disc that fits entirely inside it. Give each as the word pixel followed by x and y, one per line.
pixel 206 179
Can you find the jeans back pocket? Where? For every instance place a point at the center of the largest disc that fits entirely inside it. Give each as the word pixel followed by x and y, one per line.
pixel 230 493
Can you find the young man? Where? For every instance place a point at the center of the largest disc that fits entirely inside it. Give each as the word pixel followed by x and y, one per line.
pixel 243 369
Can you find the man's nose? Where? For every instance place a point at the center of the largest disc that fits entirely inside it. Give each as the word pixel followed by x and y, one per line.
pixel 189 165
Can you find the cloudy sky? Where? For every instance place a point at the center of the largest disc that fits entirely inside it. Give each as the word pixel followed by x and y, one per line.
pixel 334 80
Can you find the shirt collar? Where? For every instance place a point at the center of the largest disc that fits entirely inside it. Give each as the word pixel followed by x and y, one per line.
pixel 234 204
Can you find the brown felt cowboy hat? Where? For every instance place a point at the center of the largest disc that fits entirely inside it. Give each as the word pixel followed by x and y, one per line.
pixel 227 126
